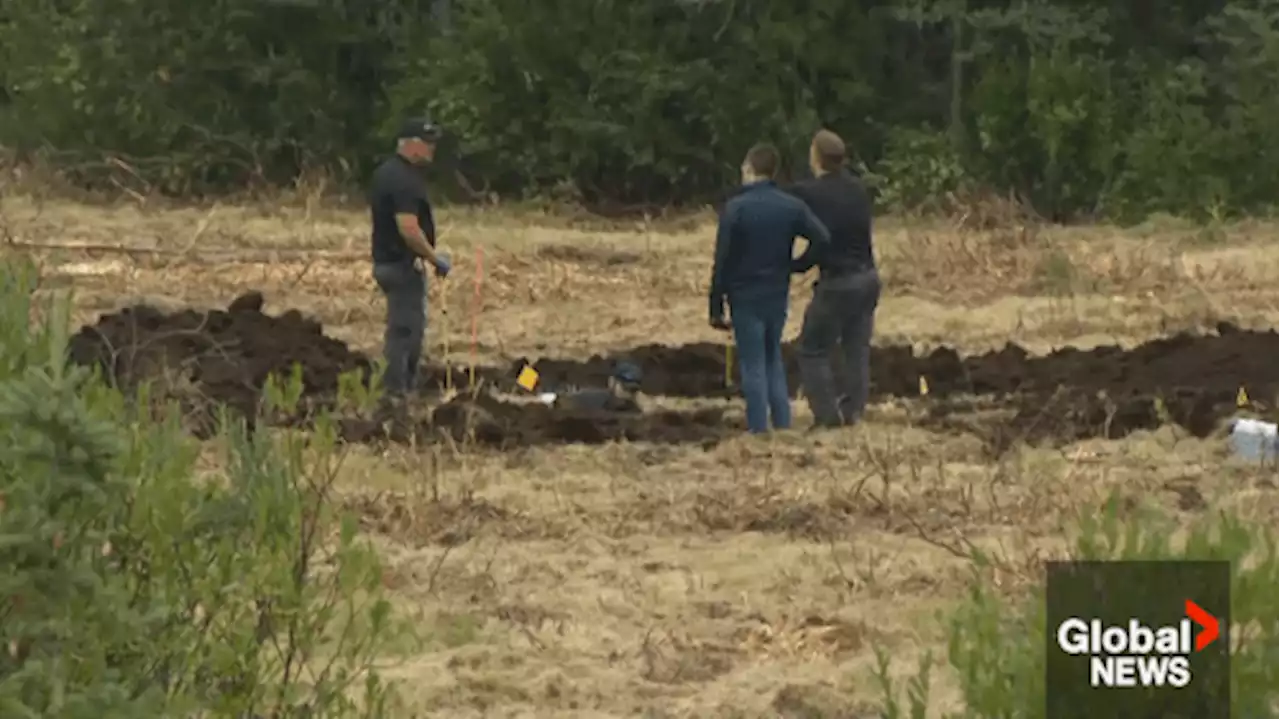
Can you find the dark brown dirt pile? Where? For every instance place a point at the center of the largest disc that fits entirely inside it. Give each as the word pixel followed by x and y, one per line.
pixel 203 359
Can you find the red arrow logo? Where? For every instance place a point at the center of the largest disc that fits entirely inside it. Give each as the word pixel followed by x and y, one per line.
pixel 1206 620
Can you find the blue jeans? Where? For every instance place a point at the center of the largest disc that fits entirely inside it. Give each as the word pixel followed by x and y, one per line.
pixel 405 288
pixel 758 319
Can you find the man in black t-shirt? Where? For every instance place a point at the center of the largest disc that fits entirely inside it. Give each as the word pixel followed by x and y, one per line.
pixel 403 239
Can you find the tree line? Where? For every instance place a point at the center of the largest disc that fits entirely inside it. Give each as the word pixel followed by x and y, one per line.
pixel 1091 109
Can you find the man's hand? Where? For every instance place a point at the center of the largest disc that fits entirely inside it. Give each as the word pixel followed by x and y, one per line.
pixel 442 264
pixel 717 312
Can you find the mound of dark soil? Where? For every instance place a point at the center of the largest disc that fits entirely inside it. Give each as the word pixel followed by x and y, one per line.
pixel 1193 381
pixel 203 359
pixel 206 360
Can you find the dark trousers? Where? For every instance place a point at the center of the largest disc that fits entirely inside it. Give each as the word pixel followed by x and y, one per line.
pixel 405 288
pixel 758 319
pixel 838 325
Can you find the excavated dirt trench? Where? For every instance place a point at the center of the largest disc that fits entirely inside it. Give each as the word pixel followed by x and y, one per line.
pixel 1069 394
pixel 204 359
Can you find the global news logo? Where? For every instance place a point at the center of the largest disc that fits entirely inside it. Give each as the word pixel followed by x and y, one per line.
pixel 1137 655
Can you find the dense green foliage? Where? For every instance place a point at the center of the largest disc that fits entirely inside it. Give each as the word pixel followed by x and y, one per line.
pixel 1104 107
pixel 134 587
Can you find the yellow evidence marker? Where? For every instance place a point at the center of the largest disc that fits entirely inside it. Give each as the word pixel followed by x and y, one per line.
pixel 924 386
pixel 528 378
pixel 1242 399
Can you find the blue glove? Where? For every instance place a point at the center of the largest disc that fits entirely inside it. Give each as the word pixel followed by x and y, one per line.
pixel 442 264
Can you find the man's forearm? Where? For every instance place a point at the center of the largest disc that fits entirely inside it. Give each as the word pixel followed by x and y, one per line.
pixel 417 242
pixel 808 258
pixel 716 294
pixel 817 237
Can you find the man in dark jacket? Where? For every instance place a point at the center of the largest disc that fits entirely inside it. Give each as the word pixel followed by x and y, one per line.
pixel 753 259
pixel 842 311
pixel 403 238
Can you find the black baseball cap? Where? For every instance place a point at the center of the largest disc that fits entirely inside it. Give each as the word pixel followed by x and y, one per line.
pixel 420 128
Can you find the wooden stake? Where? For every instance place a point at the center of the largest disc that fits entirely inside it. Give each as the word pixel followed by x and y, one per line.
pixel 475 312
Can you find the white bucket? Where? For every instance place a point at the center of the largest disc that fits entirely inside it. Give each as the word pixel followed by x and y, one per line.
pixel 1253 439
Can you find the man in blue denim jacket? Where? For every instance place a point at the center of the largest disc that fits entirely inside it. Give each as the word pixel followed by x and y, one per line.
pixel 752 270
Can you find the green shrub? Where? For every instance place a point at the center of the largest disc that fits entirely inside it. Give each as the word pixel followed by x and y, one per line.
pixel 1083 110
pixel 919 171
pixel 134 587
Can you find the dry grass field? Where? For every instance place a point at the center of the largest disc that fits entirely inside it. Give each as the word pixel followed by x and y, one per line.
pixel 726 577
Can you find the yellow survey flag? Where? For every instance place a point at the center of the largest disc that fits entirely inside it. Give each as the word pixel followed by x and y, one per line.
pixel 924 385
pixel 528 378
pixel 1242 399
